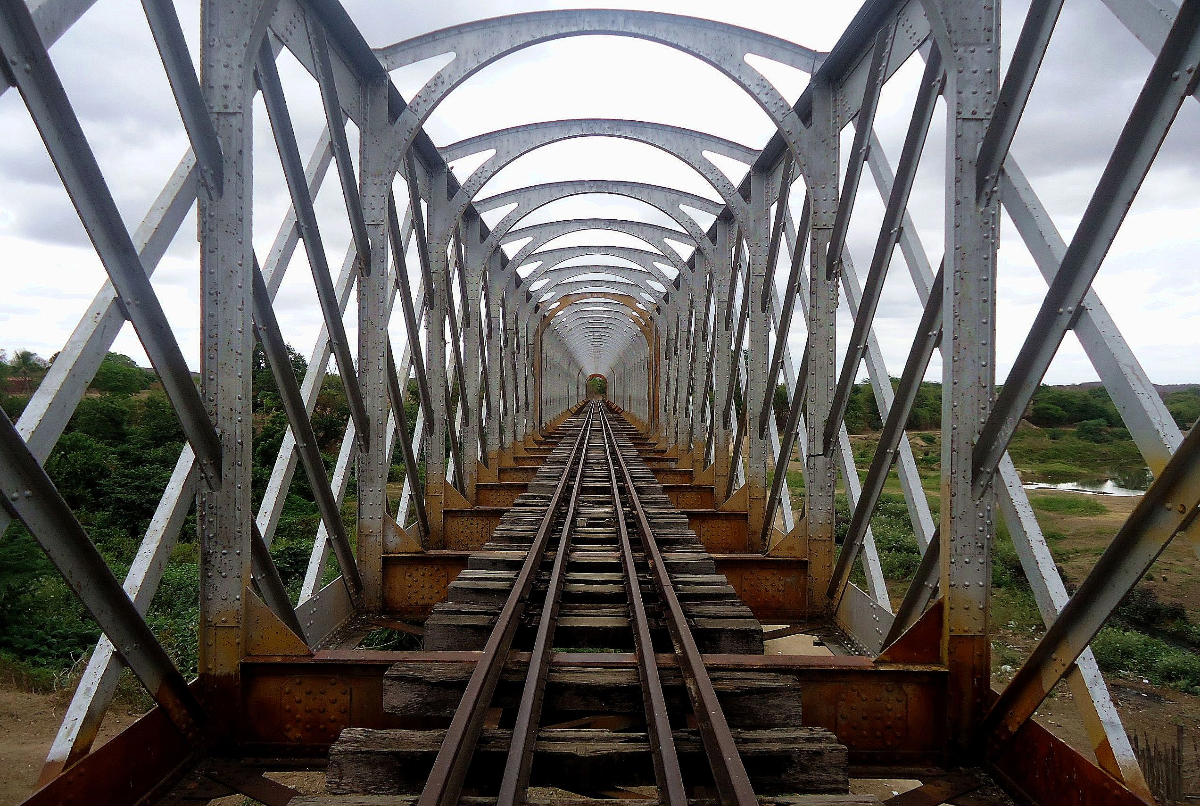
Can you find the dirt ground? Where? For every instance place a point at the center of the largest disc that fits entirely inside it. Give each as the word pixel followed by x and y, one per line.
pixel 1147 711
pixel 28 722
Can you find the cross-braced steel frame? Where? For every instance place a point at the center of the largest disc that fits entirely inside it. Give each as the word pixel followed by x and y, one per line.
pixel 501 330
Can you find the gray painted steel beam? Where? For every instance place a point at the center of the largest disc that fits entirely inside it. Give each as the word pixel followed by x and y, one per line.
pixel 1169 506
pixel 269 335
pixel 173 49
pixel 28 494
pixel 68 147
pixel 1169 83
pixel 310 234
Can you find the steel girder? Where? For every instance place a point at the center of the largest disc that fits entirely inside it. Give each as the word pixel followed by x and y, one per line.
pixel 654 235
pixel 692 316
pixel 687 145
pixel 477 44
pixel 524 201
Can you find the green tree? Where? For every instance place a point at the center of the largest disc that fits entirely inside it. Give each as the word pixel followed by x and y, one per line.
pixel 1184 406
pixel 27 364
pixel 118 374
pixel 266 393
pixel 862 413
pixel 780 405
pixel 103 418
pixel 1047 415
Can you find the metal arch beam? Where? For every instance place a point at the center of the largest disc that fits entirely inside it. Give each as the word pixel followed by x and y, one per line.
pixel 598 307
pixel 575 285
pixel 588 330
pixel 687 145
pixel 560 274
pixel 627 304
pixel 591 359
pixel 526 200
pixel 599 333
pixel 644 314
pixel 553 257
pixel 589 326
pixel 600 339
pixel 655 235
pixel 607 315
pixel 595 288
pixel 627 307
pixel 478 44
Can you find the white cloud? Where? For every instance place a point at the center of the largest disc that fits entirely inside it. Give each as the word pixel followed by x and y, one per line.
pixel 1092 73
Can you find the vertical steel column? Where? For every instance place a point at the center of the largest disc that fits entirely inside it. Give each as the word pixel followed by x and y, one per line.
pixel 968 350
pixel 722 269
pixel 758 238
pixel 435 360
pixel 662 372
pixel 469 322
pixel 820 467
pixel 225 515
pixel 538 348
pixel 683 365
pixel 373 458
pixel 498 375
pixel 511 389
pixel 526 350
pixel 699 387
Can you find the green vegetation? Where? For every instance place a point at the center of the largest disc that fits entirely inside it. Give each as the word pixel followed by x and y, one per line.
pixel 1088 408
pixel 1151 639
pixel 1068 505
pixel 1058 455
pixel 1132 653
pixel 111 465
pixel 1070 434
pixel 893 533
pixel 1184 405
pixel 117 453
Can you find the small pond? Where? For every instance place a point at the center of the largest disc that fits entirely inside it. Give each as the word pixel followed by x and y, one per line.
pixel 1125 484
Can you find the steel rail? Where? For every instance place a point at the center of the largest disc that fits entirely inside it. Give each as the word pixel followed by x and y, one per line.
pixel 729 773
pixel 445 781
pixel 524 735
pixel 667 772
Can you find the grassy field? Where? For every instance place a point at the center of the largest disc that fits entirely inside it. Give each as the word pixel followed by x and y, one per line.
pixel 1154 636
pixel 1149 650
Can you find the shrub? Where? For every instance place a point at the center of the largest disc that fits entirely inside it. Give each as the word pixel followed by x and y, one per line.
pixel 103 418
pixel 1137 654
pixel 118 374
pixel 1094 431
pixel 1047 414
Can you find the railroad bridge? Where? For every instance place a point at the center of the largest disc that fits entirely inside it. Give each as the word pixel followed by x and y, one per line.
pixel 587 579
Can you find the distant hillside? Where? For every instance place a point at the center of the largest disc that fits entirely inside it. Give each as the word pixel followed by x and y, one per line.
pixel 1080 404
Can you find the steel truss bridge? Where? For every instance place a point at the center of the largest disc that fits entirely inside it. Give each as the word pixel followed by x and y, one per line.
pixel 692 343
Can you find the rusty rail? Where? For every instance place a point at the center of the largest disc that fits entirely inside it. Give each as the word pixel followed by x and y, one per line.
pixel 733 784
pixel 445 781
pixel 524 736
pixel 667 772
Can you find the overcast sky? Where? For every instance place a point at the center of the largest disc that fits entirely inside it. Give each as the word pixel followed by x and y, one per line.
pixel 1091 75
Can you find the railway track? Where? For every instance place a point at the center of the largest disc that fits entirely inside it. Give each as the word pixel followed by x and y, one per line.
pixel 590 611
